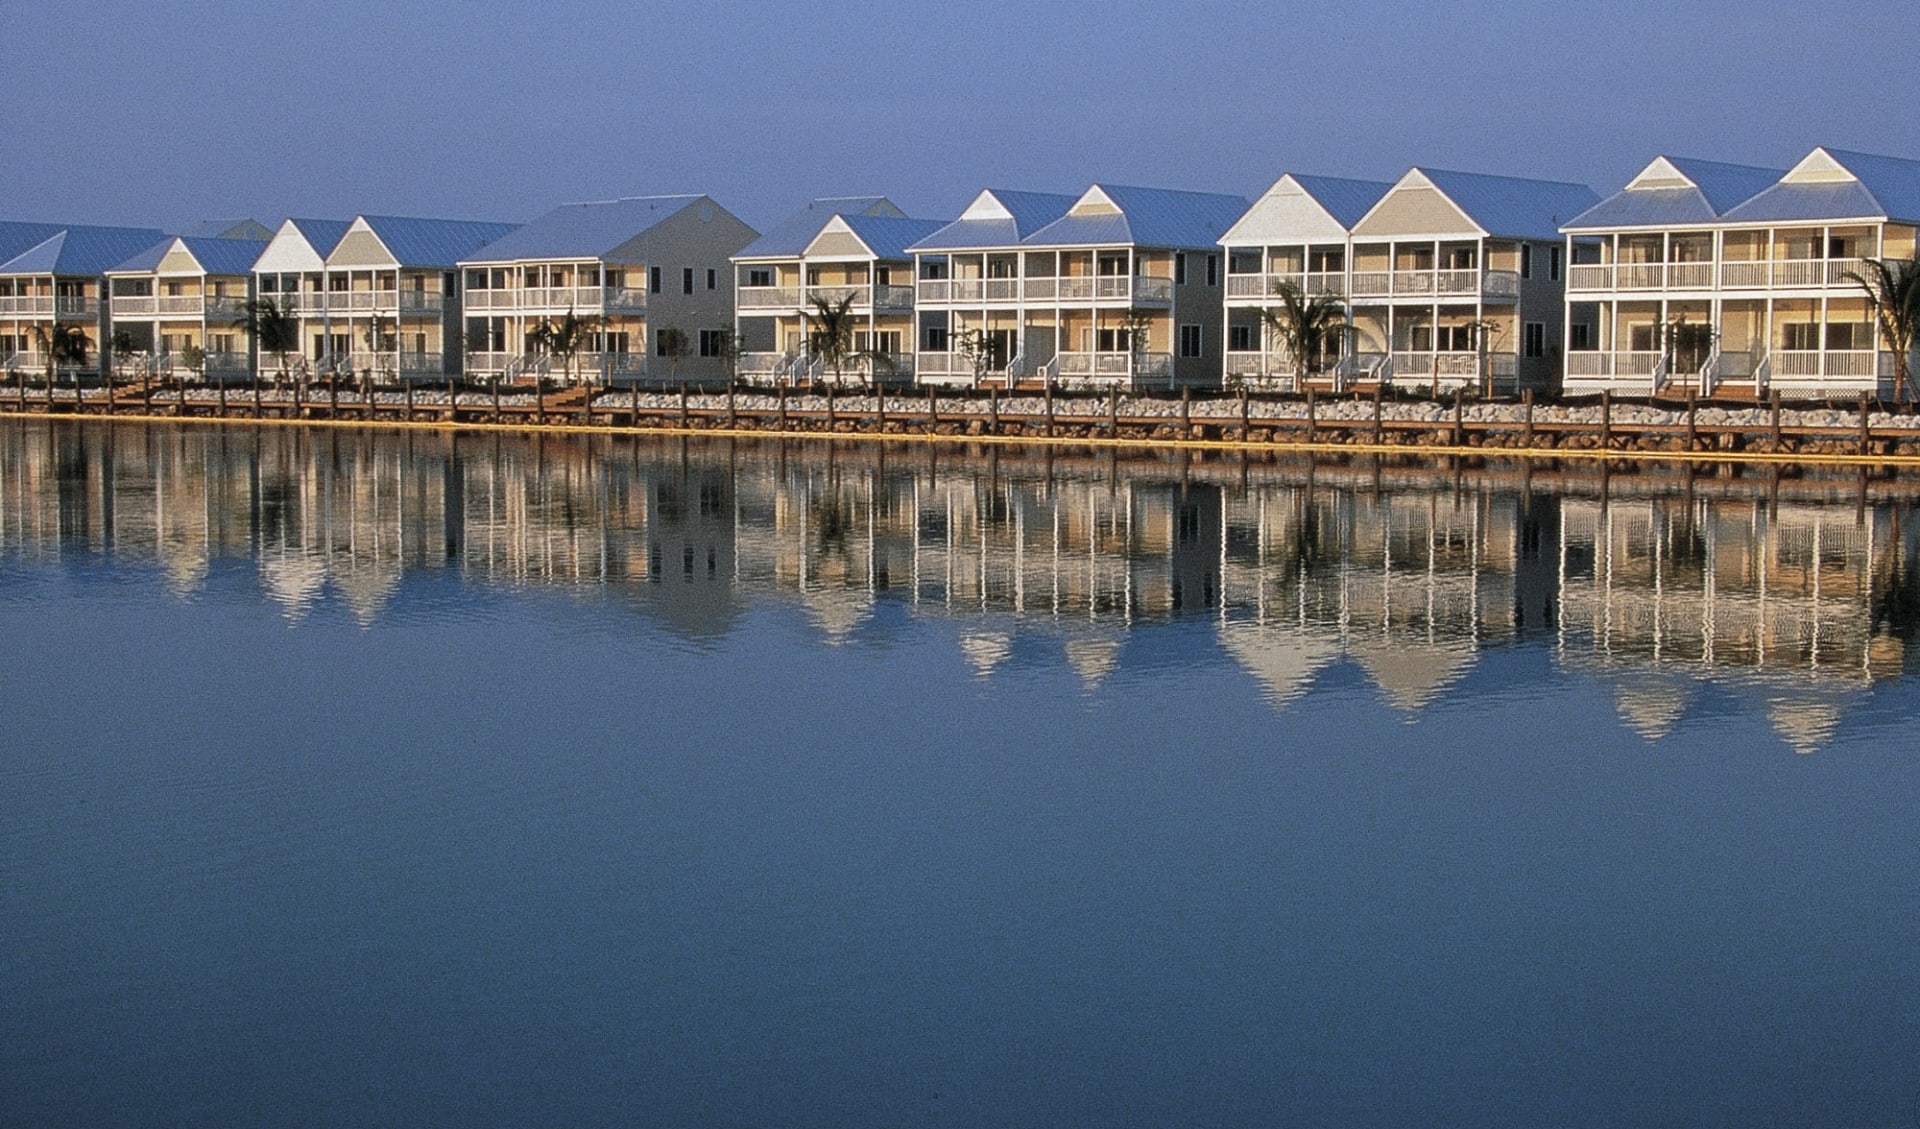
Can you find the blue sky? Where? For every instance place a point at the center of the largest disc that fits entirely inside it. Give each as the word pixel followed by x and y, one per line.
pixel 164 114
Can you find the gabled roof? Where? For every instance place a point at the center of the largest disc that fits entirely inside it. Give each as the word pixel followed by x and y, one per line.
pixel 1306 207
pixel 215 254
pixel 433 243
pixel 998 217
pixel 322 235
pixel 1147 217
pixel 230 229
pixel 81 250
pixel 16 236
pixel 591 230
pixel 1834 184
pixel 1676 191
pixel 789 238
pixel 1345 200
pixel 1510 206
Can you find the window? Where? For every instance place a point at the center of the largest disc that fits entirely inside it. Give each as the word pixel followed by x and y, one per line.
pixel 416 342
pixel 1190 340
pixel 1553 264
pixel 476 280
pixel 615 342
pixel 759 276
pixel 1242 261
pixel 1240 338
pixel 1640 338
pixel 686 280
pixel 1534 336
pixel 934 338
pixel 883 276
pixel 1526 260
pixel 1213 270
pixel 1455 338
pixel 1846 335
pixel 653 279
pixel 712 341
pixel 1800 337
pixel 1580 336
pixel 1180 268
pixel 713 279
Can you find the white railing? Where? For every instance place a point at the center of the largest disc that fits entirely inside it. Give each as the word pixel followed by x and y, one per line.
pixel 1139 289
pixel 943 364
pixel 181 304
pixel 48 304
pixel 1848 363
pixel 1584 363
pixel 1590 276
pixel 768 297
pixel 1744 276
pixel 133 305
pixel 490 300
pixel 622 298
pixel 934 289
pixel 422 301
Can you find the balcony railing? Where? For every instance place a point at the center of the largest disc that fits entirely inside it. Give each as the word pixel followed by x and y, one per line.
pixel 1436 283
pixel 1139 365
pixel 767 297
pixel 581 299
pixel 1265 285
pixel 1843 363
pixel 65 307
pixel 134 305
pixel 1136 289
pixel 1760 274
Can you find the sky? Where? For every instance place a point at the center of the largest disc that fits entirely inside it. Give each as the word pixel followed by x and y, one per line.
pixel 166 114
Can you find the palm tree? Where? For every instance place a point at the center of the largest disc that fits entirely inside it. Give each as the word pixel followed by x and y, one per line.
pixel 1305 326
pixel 830 337
pixel 274 328
pixel 61 345
pixel 1893 294
pixel 564 340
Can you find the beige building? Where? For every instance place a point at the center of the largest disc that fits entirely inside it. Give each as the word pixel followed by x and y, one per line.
pixel 188 292
pixel 1734 281
pixel 1119 287
pixel 630 269
pixel 850 249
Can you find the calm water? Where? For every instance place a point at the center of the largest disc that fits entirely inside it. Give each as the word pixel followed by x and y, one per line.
pixel 357 779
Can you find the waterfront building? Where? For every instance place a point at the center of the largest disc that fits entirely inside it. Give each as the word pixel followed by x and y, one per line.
pixel 376 295
pixel 851 249
pixel 1118 287
pixel 54 275
pixel 631 268
pixel 1299 234
pixel 187 292
pixel 1731 280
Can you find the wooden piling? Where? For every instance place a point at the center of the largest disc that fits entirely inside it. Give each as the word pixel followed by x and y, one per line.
pixel 1774 395
pixel 1526 398
pixel 1866 426
pixel 1606 419
pixel 1693 411
pixel 1379 428
pixel 1312 423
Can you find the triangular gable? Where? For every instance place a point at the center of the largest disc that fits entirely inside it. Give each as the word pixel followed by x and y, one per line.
pixel 179 259
pixel 1286 213
pixel 1095 202
pixel 1416 206
pixel 1661 173
pixel 362 246
pixel 986 206
pixel 1818 167
pixel 838 241
pixel 289 252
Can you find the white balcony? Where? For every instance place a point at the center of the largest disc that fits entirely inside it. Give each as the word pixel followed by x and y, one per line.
pixel 134 305
pixel 767 298
pixel 1857 364
pixel 1266 285
pixel 1144 366
pixel 1775 274
pixel 546 299
pixel 1142 290
pixel 46 304
pixel 1494 284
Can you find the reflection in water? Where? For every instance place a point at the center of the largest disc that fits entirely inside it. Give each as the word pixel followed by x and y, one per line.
pixel 1792 598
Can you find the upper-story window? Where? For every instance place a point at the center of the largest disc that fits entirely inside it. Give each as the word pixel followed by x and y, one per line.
pixel 1180 268
pixel 1243 261
pixel 759 276
pixel 1526 260
pixel 713 279
pixel 1553 264
pixel 1213 270
pixel 653 279
pixel 933 268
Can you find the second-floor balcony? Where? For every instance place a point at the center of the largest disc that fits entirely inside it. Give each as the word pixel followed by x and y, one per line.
pixel 803 298
pixel 44 305
pixel 1758 274
pixel 1268 285
pixel 1453 283
pixel 218 307
pixel 1139 290
pixel 558 299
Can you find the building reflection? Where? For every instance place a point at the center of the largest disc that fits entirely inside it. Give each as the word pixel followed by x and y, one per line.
pixel 1795 596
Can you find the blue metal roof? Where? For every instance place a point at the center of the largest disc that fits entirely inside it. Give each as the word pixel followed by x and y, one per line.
pixel 245 228
pixel 789 238
pixel 1031 211
pixel 81 250
pixel 215 254
pixel 1514 207
pixel 890 236
pixel 1345 200
pixel 1716 188
pixel 1884 188
pixel 434 243
pixel 582 231
pixel 1148 217
pixel 322 235
pixel 17 236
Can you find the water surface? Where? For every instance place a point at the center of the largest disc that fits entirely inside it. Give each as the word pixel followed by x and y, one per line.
pixel 359 778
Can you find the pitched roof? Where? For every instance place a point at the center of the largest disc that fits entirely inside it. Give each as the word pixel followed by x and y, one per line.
pixel 1675 191
pixel 434 243
pixel 1511 206
pixel 1345 200
pixel 588 230
pixel 16 236
pixel 322 235
pixel 789 238
pixel 888 237
pixel 1150 217
pixel 1834 184
pixel 215 254
pixel 82 250
pixel 245 228
pixel 998 218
